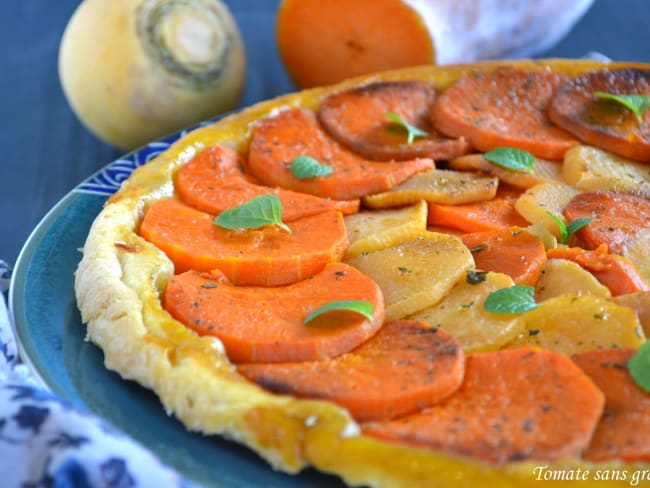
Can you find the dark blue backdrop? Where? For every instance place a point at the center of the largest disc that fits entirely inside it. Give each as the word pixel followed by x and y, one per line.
pixel 45 151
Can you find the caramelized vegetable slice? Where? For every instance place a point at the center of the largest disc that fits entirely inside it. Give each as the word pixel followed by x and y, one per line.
pixel 379 229
pixel 640 303
pixel 535 203
pixel 357 119
pixel 605 123
pixel 543 171
pixel 294 132
pixel 572 324
pixel 638 252
pixel 213 181
pixel 513 405
pixel 561 276
pixel 437 186
pixel 461 313
pixel 259 324
pixel 615 272
pixel 366 380
pixel 504 108
pixel 590 168
pixel 624 429
pixel 510 250
pixel 417 273
pixel 618 218
pixel 491 214
pixel 268 256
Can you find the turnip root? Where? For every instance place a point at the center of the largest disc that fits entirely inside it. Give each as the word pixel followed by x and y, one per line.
pixel 134 70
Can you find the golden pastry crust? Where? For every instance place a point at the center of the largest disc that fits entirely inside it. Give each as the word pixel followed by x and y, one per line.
pixel 118 284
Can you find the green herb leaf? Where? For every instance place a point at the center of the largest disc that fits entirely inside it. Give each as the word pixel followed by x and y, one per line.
pixel 636 103
pixel 305 167
pixel 359 306
pixel 576 225
pixel 566 231
pixel 564 236
pixel 511 158
pixel 513 300
pixel 257 212
pixel 639 367
pixel 474 277
pixel 412 131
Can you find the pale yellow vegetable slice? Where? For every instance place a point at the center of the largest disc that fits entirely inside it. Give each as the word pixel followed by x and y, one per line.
pixel 547 197
pixel 590 168
pixel 371 231
pixel 543 234
pixel 416 274
pixel 561 277
pixel 437 186
pixel 638 253
pixel 461 313
pixel 640 303
pixel 571 324
pixel 445 230
pixel 543 171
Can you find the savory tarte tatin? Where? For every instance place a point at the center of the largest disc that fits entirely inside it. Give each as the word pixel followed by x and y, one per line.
pixel 332 280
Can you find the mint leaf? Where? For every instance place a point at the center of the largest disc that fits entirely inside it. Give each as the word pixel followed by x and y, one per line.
pixel 566 231
pixel 412 131
pixel 511 158
pixel 257 212
pixel 576 225
pixel 564 236
pixel 639 367
pixel 304 167
pixel 636 103
pixel 513 300
pixel 359 306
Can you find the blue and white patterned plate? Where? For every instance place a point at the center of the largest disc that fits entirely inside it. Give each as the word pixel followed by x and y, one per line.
pixel 52 342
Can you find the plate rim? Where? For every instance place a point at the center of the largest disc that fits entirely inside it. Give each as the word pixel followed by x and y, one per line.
pixel 27 250
pixel 18 279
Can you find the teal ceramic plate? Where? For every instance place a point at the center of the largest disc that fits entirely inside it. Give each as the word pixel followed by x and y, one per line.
pixel 51 335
